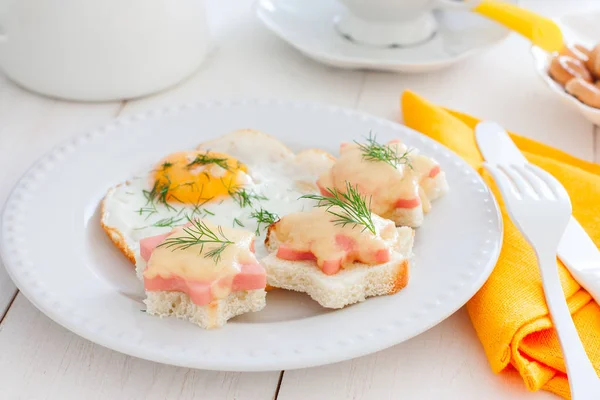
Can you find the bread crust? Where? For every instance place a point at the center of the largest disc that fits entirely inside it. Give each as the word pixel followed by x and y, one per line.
pixel 402 277
pixel 271 238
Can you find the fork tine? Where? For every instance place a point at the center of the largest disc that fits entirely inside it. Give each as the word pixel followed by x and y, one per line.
pixel 517 179
pixel 501 179
pixel 535 182
pixel 555 186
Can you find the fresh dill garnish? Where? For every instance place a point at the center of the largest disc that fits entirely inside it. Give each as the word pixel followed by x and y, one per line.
pixel 374 151
pixel 166 165
pixel 353 207
pixel 159 193
pixel 237 222
pixel 193 185
pixel 263 216
pixel 150 210
pixel 196 209
pixel 197 206
pixel 199 234
pixel 204 159
pixel 170 222
pixel 243 197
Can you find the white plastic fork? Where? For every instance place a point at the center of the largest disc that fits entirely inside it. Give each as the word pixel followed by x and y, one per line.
pixel 540 208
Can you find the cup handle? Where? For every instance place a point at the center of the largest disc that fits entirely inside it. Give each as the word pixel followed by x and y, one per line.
pixel 459 5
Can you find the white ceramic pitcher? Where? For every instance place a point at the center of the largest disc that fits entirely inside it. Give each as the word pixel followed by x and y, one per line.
pixel 94 50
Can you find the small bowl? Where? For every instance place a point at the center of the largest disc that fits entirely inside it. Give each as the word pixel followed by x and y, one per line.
pixel 577 28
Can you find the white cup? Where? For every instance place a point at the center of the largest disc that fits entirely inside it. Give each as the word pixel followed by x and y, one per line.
pixel 388 23
pixel 98 50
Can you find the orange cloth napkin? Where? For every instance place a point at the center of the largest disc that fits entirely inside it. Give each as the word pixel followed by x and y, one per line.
pixel 509 313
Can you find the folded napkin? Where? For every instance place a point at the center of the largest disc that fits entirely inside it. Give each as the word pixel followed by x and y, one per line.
pixel 509 313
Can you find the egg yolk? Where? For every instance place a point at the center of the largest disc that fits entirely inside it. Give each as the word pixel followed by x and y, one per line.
pixel 192 177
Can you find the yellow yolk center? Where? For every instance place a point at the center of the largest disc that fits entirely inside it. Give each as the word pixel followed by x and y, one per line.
pixel 194 177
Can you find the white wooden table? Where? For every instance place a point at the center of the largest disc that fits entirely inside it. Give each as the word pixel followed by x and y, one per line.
pixel 41 360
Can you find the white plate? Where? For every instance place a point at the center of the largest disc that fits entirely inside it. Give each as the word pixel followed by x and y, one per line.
pixel 308 25
pixel 60 259
pixel 576 28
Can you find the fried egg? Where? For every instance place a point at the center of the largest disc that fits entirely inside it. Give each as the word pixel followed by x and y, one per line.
pixel 244 179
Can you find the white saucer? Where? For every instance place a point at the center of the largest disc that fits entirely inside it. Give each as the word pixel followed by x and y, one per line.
pixel 308 25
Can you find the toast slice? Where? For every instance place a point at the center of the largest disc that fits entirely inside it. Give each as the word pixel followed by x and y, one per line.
pixel 349 285
pixel 212 315
pixel 185 283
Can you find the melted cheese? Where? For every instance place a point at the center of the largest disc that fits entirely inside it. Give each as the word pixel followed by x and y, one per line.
pixel 387 185
pixel 315 231
pixel 191 264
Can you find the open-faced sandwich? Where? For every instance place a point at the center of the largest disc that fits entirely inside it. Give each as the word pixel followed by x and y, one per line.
pixel 339 253
pixel 203 273
pixel 400 182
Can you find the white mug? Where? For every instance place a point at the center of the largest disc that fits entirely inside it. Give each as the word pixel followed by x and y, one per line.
pixel 98 50
pixel 389 23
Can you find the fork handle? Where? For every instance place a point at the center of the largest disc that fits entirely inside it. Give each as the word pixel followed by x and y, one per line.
pixel 583 379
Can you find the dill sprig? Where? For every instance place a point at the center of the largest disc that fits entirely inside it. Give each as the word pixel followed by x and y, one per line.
pixel 374 151
pixel 166 165
pixel 159 194
pixel 197 206
pixel 170 222
pixel 353 207
pixel 263 216
pixel 150 210
pixel 204 159
pixel 200 212
pixel 245 198
pixel 199 234
pixel 240 195
pixel 237 222
pixel 191 184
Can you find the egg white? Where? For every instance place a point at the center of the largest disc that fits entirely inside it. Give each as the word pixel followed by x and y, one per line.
pixel 275 174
